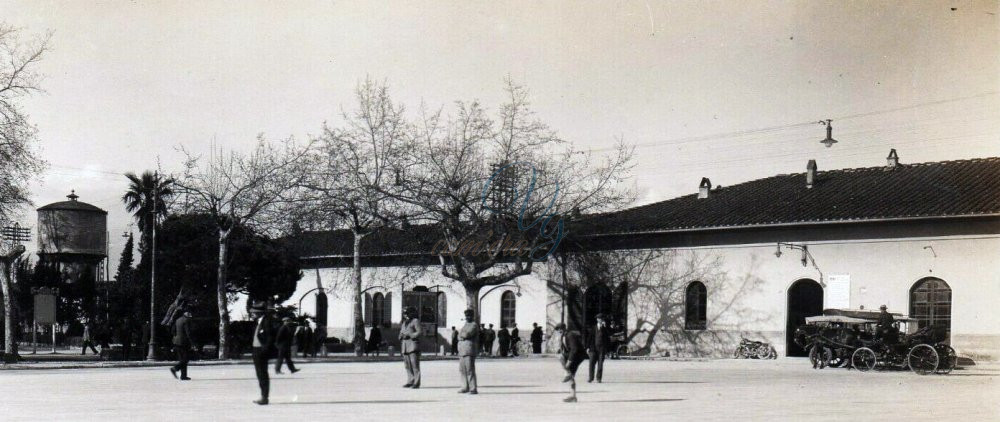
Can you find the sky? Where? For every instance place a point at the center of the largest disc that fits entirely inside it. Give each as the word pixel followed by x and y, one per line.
pixel 718 89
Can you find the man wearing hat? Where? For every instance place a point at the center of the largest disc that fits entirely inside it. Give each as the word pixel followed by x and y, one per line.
pixel 599 347
pixel 284 344
pixel 468 346
pixel 263 345
pixel 885 321
pixel 182 345
pixel 572 353
pixel 409 336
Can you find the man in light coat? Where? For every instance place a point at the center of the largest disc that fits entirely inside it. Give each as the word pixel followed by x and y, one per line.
pixel 468 346
pixel 409 336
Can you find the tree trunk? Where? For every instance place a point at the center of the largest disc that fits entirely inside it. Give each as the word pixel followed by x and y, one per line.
pixel 221 294
pixel 472 300
pixel 8 269
pixel 359 322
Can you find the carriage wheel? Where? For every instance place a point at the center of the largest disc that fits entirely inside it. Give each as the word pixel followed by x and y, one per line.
pixel 622 351
pixel 764 352
pixel 819 356
pixel 863 359
pixel 948 359
pixel 772 354
pixel 736 353
pixel 923 359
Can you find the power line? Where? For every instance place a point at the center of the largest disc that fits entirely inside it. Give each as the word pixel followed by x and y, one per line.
pixel 794 125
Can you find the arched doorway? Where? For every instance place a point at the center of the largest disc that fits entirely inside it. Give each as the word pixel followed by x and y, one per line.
pixel 930 304
pixel 805 298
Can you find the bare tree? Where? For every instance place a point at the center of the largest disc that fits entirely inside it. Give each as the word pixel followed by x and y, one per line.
pixel 19 162
pixel 242 189
pixel 359 165
pixel 501 191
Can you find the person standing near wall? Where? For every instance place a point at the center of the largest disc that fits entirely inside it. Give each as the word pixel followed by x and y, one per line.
pixel 468 347
pixel 536 338
pixel 504 337
pixel 409 336
pixel 599 348
pixel 515 339
pixel 454 341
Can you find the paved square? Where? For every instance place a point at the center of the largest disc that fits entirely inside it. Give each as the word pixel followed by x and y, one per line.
pixel 510 390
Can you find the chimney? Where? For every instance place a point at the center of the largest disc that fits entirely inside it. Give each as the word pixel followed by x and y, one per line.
pixel 810 174
pixel 704 187
pixel 892 160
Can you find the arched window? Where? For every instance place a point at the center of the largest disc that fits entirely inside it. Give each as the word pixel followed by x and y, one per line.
pixel 930 303
pixel 695 301
pixel 378 310
pixel 508 307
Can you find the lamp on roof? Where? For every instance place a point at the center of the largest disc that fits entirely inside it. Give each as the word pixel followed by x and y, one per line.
pixel 829 141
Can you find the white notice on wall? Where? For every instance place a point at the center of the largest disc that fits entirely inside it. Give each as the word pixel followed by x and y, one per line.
pixel 838 291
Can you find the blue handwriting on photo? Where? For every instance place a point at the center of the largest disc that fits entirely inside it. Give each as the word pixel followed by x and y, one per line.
pixel 549 233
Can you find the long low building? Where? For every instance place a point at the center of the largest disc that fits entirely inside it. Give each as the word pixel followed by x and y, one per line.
pixel 692 275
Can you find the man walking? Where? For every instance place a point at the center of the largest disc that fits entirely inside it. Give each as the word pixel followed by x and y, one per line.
pixel 409 335
pixel 182 345
pixel 599 348
pixel 572 352
pixel 536 338
pixel 454 341
pixel 88 338
pixel 283 342
pixel 468 345
pixel 515 339
pixel 263 347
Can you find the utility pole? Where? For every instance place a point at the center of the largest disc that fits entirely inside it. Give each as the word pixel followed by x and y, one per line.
pixel 8 274
pixel 152 272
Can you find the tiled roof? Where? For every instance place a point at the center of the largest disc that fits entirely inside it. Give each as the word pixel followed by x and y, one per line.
pixel 937 189
pixel 385 241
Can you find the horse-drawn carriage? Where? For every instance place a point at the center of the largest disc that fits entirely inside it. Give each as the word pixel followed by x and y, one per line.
pixel 854 339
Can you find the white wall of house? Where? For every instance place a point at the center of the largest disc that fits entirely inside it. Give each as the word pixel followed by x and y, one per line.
pixel 530 305
pixel 747 292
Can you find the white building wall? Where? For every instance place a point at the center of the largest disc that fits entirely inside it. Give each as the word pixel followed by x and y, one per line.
pixel 749 295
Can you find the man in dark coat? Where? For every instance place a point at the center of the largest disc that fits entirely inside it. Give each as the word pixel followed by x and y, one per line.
pixel 504 338
pixel 263 347
pixel 536 338
pixel 283 342
pixel 409 337
pixel 307 340
pixel 515 338
pixel 374 341
pixel 599 345
pixel 572 352
pixel 482 338
pixel 468 346
pixel 182 345
pixel 454 341
pixel 491 336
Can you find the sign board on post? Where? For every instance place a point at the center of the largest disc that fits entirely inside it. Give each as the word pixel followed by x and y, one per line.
pixel 838 291
pixel 45 307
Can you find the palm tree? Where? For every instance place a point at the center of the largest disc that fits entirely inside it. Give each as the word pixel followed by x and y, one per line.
pixel 139 200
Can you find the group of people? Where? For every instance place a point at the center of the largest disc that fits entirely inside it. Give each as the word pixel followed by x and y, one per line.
pixel 273 340
pixel 508 340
